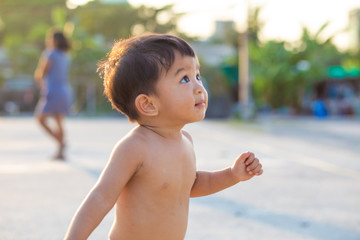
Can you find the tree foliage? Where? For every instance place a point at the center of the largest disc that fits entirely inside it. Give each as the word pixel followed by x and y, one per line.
pixel 281 72
pixel 92 28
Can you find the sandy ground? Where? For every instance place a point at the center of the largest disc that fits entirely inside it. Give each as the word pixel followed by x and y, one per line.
pixel 310 188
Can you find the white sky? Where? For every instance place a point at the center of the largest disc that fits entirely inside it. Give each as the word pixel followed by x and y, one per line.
pixel 283 19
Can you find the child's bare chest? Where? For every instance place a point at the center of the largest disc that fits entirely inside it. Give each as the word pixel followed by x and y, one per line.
pixel 170 171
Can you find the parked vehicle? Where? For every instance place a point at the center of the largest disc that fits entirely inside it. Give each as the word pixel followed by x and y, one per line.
pixel 18 95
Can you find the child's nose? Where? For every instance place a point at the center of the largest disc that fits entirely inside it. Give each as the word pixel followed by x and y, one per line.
pixel 199 87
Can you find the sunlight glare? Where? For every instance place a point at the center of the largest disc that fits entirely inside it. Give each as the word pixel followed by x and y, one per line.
pixel 72 4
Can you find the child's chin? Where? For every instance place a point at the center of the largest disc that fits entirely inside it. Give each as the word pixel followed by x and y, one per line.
pixel 200 117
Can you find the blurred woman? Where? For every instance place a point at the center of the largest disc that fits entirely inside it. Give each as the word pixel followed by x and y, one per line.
pixel 51 75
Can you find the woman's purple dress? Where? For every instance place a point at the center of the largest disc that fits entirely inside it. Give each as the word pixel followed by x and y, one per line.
pixel 56 94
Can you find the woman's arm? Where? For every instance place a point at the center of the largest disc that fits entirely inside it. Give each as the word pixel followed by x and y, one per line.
pixel 42 69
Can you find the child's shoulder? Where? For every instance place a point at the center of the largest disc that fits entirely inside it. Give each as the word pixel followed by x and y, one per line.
pixel 135 139
pixel 132 146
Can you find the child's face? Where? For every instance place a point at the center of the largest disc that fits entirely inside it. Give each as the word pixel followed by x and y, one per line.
pixel 181 96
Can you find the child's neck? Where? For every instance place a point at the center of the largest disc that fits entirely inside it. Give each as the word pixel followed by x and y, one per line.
pixel 165 132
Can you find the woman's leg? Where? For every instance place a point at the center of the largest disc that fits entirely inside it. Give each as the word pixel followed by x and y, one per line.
pixel 60 135
pixel 57 133
pixel 42 119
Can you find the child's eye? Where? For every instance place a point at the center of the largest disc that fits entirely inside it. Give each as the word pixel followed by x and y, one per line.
pixel 185 80
pixel 198 77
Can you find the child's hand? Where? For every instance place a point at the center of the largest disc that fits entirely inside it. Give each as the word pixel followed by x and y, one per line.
pixel 246 167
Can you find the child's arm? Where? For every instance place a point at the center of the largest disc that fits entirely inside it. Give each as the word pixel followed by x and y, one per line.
pixel 245 167
pixel 123 164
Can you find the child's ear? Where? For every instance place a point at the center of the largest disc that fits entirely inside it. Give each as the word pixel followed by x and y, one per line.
pixel 145 105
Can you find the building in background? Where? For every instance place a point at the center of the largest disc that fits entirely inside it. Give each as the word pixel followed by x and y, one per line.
pixel 222 29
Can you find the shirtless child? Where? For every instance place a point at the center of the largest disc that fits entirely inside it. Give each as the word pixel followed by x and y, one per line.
pixel 151 174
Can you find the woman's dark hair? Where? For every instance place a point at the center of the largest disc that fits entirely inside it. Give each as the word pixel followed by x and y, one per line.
pixel 59 39
pixel 134 65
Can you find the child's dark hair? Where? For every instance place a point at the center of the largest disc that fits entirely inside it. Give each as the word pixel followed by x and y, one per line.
pixel 134 65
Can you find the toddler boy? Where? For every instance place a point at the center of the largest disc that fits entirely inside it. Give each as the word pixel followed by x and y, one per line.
pixel 155 81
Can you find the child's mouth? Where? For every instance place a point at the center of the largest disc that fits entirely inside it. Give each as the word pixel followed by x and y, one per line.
pixel 200 104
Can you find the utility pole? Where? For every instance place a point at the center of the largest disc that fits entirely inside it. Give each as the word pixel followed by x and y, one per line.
pixel 244 105
pixel 243 69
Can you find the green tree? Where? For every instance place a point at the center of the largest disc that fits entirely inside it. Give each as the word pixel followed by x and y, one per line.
pixel 282 73
pixel 319 55
pixel 116 21
pixel 92 29
pixel 270 73
pixel 23 29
